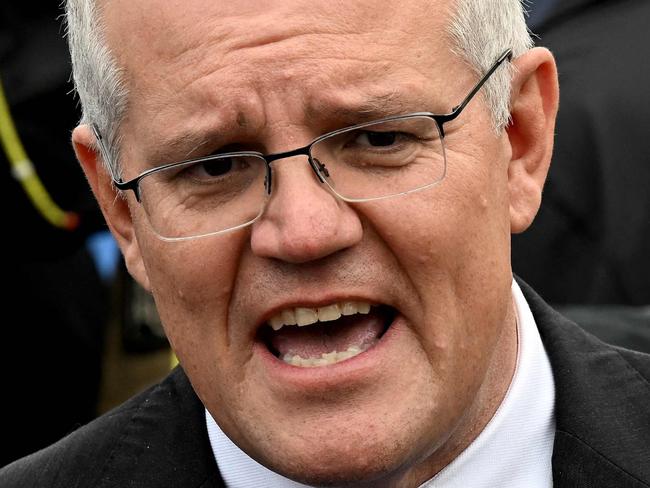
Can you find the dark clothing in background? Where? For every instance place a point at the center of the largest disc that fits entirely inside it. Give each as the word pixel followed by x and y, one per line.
pixel 538 12
pixel 35 72
pixel 55 305
pixel 159 438
pixel 590 243
pixel 628 327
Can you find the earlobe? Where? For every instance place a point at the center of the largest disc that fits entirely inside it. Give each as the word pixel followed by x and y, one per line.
pixel 114 206
pixel 534 105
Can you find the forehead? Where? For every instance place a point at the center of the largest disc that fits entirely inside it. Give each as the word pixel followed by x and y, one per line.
pixel 183 58
pixel 172 27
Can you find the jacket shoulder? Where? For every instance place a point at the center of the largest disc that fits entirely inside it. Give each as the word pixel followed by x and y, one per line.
pixel 638 361
pixel 602 393
pixel 87 456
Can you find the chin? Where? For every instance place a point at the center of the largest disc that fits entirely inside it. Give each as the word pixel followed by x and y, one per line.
pixel 345 462
pixel 346 474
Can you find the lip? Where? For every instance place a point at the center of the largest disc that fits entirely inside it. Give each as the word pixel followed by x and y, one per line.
pixel 358 369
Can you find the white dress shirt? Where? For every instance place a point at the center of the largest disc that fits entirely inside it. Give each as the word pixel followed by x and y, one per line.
pixel 513 451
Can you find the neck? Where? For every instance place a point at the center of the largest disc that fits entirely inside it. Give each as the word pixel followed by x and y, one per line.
pixel 490 396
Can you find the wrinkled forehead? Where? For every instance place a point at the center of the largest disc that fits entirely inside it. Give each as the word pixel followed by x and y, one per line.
pixel 206 66
pixel 148 34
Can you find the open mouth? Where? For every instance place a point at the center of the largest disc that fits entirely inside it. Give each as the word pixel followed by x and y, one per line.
pixel 316 337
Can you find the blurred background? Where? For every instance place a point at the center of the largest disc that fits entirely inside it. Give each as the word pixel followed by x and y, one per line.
pixel 80 336
pixel 588 251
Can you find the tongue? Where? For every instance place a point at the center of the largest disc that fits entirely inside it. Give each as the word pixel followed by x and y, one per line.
pixel 312 341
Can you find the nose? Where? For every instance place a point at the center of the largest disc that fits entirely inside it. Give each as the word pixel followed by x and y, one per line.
pixel 303 221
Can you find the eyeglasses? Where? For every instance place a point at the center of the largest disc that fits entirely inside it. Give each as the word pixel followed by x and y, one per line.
pixel 371 161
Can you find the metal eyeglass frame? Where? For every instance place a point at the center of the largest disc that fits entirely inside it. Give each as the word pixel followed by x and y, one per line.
pixel 317 167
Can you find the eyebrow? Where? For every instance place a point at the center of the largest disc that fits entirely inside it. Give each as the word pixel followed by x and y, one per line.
pixel 369 108
pixel 185 145
pixel 181 147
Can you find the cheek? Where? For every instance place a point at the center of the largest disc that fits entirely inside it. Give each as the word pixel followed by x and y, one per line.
pixel 453 243
pixel 192 284
pixel 447 234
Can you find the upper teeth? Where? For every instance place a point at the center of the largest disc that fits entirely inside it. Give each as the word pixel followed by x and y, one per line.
pixel 302 316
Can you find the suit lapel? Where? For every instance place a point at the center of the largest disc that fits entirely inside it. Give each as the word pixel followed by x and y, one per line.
pixel 602 406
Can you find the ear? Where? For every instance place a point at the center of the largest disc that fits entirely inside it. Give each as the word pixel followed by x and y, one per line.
pixel 534 104
pixel 113 204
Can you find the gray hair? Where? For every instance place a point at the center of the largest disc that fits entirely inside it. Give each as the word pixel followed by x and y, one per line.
pixel 98 79
pixel 480 30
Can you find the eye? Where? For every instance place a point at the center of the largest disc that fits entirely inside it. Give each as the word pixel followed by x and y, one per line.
pixel 217 167
pixel 377 139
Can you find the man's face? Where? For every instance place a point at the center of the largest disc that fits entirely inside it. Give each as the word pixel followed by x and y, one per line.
pixel 271 76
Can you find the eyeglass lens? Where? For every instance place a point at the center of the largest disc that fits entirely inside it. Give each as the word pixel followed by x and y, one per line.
pixel 374 161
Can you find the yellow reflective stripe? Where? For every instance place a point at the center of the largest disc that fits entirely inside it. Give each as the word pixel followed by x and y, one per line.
pixel 23 170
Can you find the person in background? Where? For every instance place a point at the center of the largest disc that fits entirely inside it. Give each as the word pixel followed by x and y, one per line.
pixel 54 301
pixel 593 228
pixel 590 242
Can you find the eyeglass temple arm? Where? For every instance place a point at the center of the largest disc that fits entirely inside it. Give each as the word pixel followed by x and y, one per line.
pixel 457 110
pixel 119 184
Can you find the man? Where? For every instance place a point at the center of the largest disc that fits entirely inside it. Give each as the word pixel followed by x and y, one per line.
pixel 345 311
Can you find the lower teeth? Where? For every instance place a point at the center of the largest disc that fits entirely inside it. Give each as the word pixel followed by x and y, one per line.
pixel 325 359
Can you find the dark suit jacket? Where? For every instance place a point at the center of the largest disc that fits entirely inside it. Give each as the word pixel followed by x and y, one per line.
pixel 159 438
pixel 593 229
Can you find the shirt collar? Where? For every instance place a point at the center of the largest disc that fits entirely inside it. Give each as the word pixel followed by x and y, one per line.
pixel 514 449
